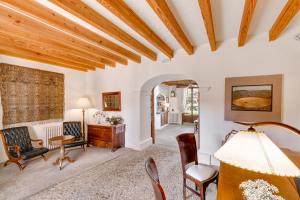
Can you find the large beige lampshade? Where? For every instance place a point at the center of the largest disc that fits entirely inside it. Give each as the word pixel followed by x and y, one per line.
pixel 83 103
pixel 256 152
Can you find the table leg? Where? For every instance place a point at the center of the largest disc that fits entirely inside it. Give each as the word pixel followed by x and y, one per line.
pixel 62 156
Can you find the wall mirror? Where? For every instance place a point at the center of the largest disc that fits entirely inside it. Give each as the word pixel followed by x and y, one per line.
pixel 111 101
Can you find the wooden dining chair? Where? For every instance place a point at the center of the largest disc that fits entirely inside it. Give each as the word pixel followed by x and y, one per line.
pixel 152 172
pixel 202 175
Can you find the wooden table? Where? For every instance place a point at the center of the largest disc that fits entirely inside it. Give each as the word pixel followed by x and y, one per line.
pixel 61 141
pixel 230 177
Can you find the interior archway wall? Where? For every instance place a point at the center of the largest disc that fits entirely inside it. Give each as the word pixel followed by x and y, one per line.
pixel 145 102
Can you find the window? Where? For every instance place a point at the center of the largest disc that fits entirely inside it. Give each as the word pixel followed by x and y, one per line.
pixel 191 104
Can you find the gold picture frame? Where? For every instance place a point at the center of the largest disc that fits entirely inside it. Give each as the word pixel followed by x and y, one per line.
pixel 111 101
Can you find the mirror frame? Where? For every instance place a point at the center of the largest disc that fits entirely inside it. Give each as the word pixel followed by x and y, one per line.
pixel 107 94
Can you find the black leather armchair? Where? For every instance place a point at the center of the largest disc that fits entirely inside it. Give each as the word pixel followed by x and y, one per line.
pixel 74 128
pixel 18 146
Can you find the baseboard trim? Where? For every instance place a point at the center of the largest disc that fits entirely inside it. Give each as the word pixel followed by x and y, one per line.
pixel 143 144
pixel 146 143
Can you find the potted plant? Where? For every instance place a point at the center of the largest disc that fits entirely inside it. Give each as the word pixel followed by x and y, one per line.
pixel 114 120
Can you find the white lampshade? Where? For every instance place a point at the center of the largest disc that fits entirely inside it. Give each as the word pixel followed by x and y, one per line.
pixel 256 152
pixel 84 103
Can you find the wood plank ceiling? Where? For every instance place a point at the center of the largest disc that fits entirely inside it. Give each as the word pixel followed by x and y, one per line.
pixel 32 31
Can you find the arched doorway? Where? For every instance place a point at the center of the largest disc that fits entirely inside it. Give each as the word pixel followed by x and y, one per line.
pixel 146 102
pixel 174 110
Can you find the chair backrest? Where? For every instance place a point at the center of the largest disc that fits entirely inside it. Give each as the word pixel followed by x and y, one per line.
pixel 72 128
pixel 152 172
pixel 188 149
pixel 18 136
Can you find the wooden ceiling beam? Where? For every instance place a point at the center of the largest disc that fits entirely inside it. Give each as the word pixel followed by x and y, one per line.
pixel 249 8
pixel 205 8
pixel 21 20
pixel 289 11
pixel 41 41
pixel 53 18
pixel 34 56
pixel 43 48
pixel 120 9
pixel 180 83
pixel 94 18
pixel 162 10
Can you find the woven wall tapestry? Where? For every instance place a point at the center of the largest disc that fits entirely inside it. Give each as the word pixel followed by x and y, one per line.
pixel 29 95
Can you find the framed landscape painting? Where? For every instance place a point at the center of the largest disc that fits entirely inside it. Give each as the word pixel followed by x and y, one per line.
pixel 253 98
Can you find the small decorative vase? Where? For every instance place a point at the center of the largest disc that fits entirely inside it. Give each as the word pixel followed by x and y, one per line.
pixel 99 120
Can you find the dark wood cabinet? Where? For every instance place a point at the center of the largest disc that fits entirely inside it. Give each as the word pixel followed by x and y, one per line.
pixel 107 136
pixel 164 118
pixel 188 118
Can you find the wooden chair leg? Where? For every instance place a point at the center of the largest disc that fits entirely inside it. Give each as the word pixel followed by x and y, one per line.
pixel 84 149
pixel 44 157
pixel 202 193
pixel 21 167
pixel 184 189
pixel 6 163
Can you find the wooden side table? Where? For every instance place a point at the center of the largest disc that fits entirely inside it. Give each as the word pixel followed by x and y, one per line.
pixel 61 141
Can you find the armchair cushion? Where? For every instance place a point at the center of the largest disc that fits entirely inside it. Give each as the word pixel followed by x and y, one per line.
pixel 18 136
pixel 33 153
pixel 79 142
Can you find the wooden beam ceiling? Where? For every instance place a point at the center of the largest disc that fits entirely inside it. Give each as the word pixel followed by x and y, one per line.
pixel 35 56
pixel 120 9
pixel 26 23
pixel 19 42
pixel 289 11
pixel 92 17
pixel 28 37
pixel 205 8
pixel 163 11
pixel 249 8
pixel 33 31
pixel 50 17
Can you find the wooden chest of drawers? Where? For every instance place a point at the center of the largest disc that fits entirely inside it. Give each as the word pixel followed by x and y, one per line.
pixel 107 136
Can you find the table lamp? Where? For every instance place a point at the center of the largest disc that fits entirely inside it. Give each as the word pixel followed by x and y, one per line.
pixel 83 103
pixel 255 151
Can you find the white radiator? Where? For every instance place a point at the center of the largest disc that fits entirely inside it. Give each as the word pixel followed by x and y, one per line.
pixel 52 131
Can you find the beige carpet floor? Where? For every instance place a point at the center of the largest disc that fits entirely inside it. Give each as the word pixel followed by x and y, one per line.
pixel 39 175
pixel 118 175
pixel 167 135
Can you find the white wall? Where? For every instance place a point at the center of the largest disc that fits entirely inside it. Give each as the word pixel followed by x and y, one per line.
pixel 164 90
pixel 176 103
pixel 258 57
pixel 75 87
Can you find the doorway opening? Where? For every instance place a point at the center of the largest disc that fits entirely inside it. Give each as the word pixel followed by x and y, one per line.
pixel 174 110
